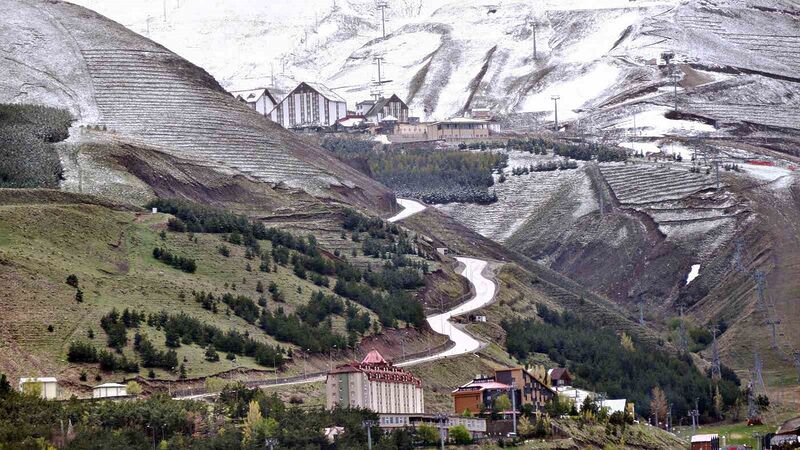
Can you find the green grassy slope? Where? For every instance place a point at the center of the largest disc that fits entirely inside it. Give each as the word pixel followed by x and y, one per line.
pixel 47 237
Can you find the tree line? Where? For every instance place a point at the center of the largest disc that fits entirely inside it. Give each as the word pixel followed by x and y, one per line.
pixel 598 360
pixel 434 176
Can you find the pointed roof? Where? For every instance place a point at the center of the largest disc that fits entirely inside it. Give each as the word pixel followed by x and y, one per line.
pixel 373 357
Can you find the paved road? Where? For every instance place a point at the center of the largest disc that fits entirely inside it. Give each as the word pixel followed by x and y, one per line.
pixel 440 323
pixel 484 290
pixel 410 207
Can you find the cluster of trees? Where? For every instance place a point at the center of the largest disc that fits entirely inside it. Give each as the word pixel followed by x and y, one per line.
pixel 28 158
pixel 82 352
pixel 434 176
pixel 599 361
pixel 590 151
pixel 731 167
pixel 290 328
pixel 152 357
pixel 391 307
pixel 189 330
pixel 548 166
pixel 187 265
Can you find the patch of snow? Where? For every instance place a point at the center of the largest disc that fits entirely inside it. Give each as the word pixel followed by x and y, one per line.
pixel 646 147
pixel 382 138
pixel 769 174
pixel 653 123
pixel 693 273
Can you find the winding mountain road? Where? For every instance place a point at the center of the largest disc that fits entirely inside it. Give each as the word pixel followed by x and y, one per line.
pixel 483 288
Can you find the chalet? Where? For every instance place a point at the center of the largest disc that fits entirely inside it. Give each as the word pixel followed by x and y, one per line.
pixel 309 105
pixel 375 384
pixel 44 387
pixel 458 129
pixel 110 390
pixel 260 99
pixel 560 376
pixel 385 107
pixel 534 391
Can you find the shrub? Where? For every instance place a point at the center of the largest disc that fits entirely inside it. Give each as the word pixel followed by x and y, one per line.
pixel 460 435
pixel 187 265
pixel 72 280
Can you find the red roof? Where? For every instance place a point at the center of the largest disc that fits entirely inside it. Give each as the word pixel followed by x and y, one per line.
pixel 376 368
pixel 373 357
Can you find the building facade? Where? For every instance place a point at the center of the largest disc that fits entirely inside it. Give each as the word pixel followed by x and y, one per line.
pixel 479 395
pixel 533 391
pixel 375 384
pixel 260 99
pixel 388 107
pixel 517 383
pixel 458 129
pixel 45 387
pixel 309 105
pixel 475 425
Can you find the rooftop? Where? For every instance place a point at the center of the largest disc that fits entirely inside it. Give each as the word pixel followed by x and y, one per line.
pixel 38 380
pixel 109 385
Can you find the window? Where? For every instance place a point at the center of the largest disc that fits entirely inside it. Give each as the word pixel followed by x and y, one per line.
pixel 292 118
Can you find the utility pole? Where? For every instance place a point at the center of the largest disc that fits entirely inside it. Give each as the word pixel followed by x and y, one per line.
pixel 695 413
pixel 441 418
pixel 773 323
pixel 533 25
pixel 761 280
pixel 378 60
pixel 513 391
pixel 272 70
pixel 555 103
pixel 716 372
pixel 675 78
pixel 368 424
pixel 382 5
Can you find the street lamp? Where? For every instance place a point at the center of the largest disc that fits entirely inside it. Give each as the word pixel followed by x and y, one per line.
pixel 555 103
pixel 271 442
pixel 441 419
pixel 368 424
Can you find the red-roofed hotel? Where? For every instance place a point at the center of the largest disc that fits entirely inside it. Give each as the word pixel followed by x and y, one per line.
pixel 375 384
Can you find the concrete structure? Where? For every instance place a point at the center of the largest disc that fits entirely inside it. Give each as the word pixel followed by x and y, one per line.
pixel 110 390
pixel 534 391
pixel 45 387
pixel 309 105
pixel 375 384
pixel 260 99
pixel 475 425
pixel 705 442
pixel 383 107
pixel 458 129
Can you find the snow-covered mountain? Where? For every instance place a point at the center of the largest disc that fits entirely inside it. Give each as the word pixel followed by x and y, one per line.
pixel 739 60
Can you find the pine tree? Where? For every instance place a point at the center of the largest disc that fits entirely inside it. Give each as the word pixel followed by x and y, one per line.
pixel 182 375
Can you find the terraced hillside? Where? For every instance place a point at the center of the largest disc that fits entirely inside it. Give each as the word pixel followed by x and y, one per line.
pixel 143 94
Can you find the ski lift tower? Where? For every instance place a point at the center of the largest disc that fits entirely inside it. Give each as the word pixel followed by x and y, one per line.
pixel 382 5
pixel 555 104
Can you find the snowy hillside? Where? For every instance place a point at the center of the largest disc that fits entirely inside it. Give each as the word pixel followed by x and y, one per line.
pixel 445 57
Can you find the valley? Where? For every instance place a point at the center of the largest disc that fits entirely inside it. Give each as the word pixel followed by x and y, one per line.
pixel 407 224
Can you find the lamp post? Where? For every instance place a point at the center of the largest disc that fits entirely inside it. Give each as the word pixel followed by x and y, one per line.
pixel 441 418
pixel 555 104
pixel 368 424
pixel 514 405
pixel 271 442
